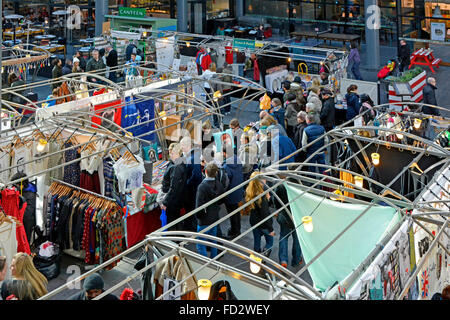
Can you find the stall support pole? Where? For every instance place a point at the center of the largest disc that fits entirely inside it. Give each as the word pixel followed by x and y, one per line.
pixel 372 22
pixel 182 15
pixel 101 8
pixel 239 8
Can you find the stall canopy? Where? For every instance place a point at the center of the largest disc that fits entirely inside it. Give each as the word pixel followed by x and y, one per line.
pixel 329 219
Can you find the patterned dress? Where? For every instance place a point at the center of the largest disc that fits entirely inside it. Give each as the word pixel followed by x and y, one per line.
pixel 71 171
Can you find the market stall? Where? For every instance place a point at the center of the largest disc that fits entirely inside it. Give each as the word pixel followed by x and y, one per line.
pixel 385 221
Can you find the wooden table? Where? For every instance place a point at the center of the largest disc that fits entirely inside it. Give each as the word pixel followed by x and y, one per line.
pixel 328 36
pixel 51 48
pixel 424 57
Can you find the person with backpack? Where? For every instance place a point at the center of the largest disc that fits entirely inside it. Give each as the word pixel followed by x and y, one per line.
pixel 233 169
pixel 209 189
pixel 131 48
pixel 292 108
pixel 367 104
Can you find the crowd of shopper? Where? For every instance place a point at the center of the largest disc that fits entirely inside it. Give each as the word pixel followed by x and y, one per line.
pixel 199 174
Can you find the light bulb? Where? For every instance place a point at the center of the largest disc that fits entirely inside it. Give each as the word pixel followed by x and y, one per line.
pixel 399 136
pixel 253 266
pixel 41 145
pixel 359 181
pixel 289 59
pixel 417 123
pixel 375 158
pixel 236 49
pixel 308 223
pixel 188 44
pixel 204 288
pixel 144 34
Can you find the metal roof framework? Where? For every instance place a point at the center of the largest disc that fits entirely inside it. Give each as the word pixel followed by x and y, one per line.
pixel 161 238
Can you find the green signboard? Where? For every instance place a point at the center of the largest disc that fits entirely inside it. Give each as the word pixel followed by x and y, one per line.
pixel 244 43
pixel 132 12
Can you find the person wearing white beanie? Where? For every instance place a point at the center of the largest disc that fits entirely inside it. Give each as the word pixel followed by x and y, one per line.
pixel 76 65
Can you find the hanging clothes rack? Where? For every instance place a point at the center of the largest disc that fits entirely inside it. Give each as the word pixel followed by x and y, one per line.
pixel 81 189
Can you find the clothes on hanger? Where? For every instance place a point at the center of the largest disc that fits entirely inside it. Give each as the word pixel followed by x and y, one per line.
pixel 229 55
pixel 111 184
pixel 21 155
pixel 71 171
pixel 8 243
pixel 13 205
pixel 114 114
pixel 82 222
pixel 129 174
pixel 347 177
pixel 53 161
pixel 5 159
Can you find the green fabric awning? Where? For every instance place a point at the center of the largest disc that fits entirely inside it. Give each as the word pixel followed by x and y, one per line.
pixel 329 219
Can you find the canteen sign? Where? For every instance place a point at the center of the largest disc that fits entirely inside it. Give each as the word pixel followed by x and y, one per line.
pixel 132 12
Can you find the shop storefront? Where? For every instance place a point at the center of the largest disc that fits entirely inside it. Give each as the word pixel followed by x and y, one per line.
pixel 159 9
pixel 342 16
pixel 426 20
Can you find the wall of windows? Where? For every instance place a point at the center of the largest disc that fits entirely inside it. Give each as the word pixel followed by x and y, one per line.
pixel 156 8
pixel 338 15
pixel 217 9
pixel 416 17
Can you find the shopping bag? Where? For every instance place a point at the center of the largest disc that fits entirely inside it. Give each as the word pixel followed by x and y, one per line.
pixel 163 218
pixel 264 102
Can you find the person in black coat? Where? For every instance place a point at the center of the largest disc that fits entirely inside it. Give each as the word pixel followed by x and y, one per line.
pixel 111 62
pixel 67 69
pixel 193 179
pixel 93 286
pixel 260 33
pixel 429 97
pixel 403 55
pixel 287 229
pixel 298 135
pixel 353 103
pixel 327 113
pixel 209 189
pixel 172 185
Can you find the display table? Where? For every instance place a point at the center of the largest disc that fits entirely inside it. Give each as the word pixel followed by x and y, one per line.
pixel 328 36
pixel 51 48
pixel 141 224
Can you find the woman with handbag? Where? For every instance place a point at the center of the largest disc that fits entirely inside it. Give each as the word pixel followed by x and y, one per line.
pixel 28 282
pixel 259 210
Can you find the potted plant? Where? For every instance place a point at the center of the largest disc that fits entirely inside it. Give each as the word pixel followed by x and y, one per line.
pixel 416 78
